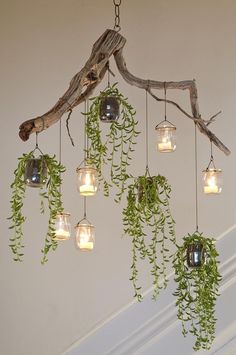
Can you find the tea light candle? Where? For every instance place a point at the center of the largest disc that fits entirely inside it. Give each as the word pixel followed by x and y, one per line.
pixel 86 246
pixel 62 234
pixel 211 189
pixel 87 189
pixel 164 146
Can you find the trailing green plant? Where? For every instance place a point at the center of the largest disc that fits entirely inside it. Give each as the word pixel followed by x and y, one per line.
pixel 50 192
pixel 147 220
pixel 197 290
pixel 115 150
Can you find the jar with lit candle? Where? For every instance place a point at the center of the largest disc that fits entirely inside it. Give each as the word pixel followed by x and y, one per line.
pixel 62 226
pixel 109 109
pixel 35 172
pixel 166 137
pixel 212 181
pixel 87 180
pixel 85 235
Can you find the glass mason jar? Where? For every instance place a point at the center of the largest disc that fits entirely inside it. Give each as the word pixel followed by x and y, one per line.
pixel 85 235
pixel 212 181
pixel 109 109
pixel 166 137
pixel 62 226
pixel 87 180
pixel 35 172
pixel 195 255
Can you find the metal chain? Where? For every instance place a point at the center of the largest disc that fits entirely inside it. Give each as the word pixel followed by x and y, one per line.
pixel 117 4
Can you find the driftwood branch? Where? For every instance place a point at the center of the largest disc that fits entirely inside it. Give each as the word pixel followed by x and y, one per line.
pixel 84 82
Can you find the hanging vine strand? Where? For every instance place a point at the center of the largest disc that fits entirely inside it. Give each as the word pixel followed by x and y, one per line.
pixel 85 81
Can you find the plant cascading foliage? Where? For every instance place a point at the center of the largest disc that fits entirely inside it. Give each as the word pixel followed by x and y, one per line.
pixel 197 291
pixel 50 192
pixel 147 220
pixel 118 145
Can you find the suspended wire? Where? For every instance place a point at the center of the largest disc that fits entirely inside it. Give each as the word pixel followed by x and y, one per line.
pixel 85 207
pixel 85 135
pixel 36 140
pixel 108 75
pixel 196 178
pixel 60 141
pixel 60 151
pixel 36 144
pixel 211 158
pixel 146 133
pixel 68 128
pixel 165 97
pixel 85 149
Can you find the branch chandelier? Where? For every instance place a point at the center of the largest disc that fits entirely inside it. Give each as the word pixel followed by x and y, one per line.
pixel 144 196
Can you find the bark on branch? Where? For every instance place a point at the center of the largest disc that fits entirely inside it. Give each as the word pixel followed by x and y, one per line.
pixel 84 82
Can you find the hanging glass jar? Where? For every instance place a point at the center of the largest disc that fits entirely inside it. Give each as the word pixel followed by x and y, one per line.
pixel 87 180
pixel 212 181
pixel 166 137
pixel 85 235
pixel 62 226
pixel 35 172
pixel 195 255
pixel 109 109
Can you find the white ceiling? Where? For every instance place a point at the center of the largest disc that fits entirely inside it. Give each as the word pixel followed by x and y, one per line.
pixel 43 44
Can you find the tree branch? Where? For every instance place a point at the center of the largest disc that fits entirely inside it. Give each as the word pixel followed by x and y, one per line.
pixel 181 85
pixel 84 82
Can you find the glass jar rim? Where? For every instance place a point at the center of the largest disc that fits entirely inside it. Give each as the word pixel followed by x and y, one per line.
pixel 212 170
pixel 63 214
pixel 86 167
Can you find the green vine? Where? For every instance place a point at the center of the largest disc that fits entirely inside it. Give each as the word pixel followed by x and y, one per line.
pixel 197 291
pixel 50 192
pixel 118 145
pixel 148 213
pixel 53 195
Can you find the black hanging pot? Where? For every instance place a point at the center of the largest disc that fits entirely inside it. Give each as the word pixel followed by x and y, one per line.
pixel 195 254
pixel 143 192
pixel 35 172
pixel 109 109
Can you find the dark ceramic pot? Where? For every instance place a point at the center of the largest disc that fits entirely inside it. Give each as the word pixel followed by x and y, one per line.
pixel 195 255
pixel 35 172
pixel 109 109
pixel 141 192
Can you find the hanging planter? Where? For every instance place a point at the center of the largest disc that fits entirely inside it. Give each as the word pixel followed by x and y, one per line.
pixel 147 220
pixel 109 109
pixel 197 275
pixel 35 172
pixel 196 255
pixel 113 150
pixel 32 172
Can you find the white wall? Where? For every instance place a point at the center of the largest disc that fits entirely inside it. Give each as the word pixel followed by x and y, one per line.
pixel 43 44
